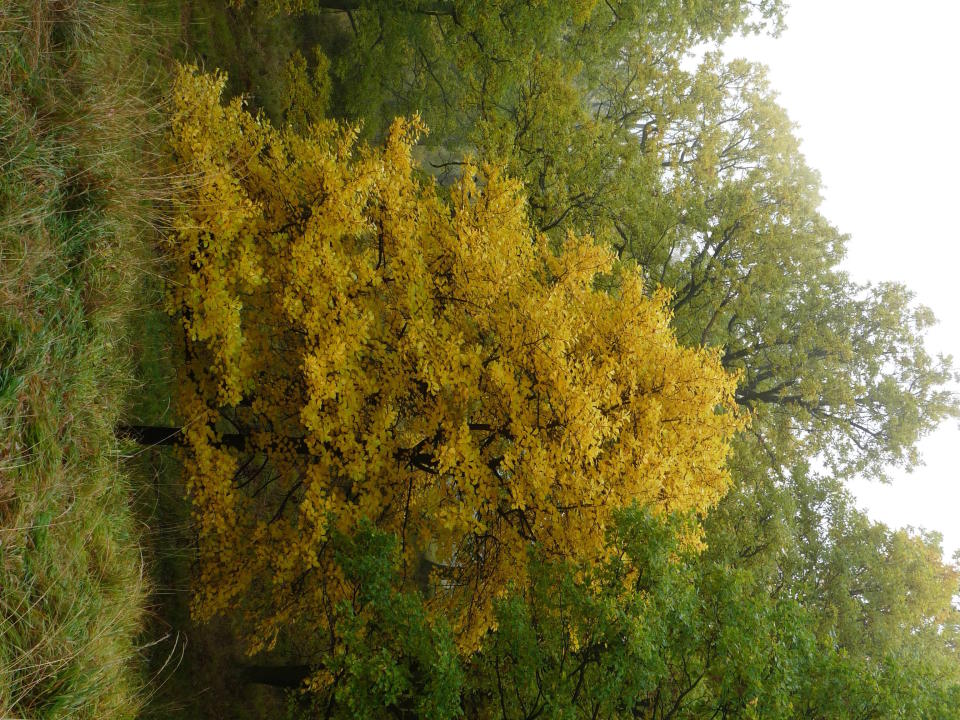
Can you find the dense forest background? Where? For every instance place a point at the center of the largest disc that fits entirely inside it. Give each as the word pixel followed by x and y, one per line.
pixel 140 201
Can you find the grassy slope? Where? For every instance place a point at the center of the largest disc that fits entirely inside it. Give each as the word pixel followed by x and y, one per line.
pixel 73 245
pixel 83 342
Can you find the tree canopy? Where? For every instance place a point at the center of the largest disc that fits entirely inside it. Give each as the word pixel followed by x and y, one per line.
pixel 359 349
pixel 481 411
pixel 688 169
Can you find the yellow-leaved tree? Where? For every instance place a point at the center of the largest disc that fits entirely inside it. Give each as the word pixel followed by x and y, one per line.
pixel 360 350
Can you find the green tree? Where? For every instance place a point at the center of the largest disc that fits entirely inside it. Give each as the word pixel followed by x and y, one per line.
pixel 710 636
pixel 393 657
pixel 881 599
pixel 830 367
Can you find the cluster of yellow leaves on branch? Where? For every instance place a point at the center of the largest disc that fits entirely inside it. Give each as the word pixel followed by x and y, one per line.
pixel 358 348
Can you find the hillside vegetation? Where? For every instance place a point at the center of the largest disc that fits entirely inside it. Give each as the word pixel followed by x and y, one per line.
pixel 75 245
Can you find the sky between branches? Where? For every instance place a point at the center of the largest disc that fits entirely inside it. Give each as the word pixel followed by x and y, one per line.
pixel 872 87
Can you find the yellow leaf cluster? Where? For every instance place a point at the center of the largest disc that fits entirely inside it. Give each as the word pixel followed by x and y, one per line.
pixel 358 348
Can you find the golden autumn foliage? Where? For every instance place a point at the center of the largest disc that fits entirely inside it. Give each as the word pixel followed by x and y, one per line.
pixel 358 348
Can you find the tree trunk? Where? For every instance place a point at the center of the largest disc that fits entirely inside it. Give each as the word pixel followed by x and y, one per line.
pixel 158 435
pixel 150 434
pixel 281 676
pixel 434 7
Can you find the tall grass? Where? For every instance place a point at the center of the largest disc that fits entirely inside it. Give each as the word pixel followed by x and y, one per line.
pixel 75 136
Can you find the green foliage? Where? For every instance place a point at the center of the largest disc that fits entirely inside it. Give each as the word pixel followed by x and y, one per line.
pixel 694 637
pixel 881 600
pixel 583 640
pixel 306 91
pixel 830 367
pixel 393 656
pixel 256 45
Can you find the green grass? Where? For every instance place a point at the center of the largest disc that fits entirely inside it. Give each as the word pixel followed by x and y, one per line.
pixel 75 211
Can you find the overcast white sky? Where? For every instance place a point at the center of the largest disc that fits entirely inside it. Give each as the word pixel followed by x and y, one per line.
pixel 873 87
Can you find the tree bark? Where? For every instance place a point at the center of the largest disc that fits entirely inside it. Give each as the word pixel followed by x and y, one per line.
pixel 436 7
pixel 150 434
pixel 161 436
pixel 158 435
pixel 281 676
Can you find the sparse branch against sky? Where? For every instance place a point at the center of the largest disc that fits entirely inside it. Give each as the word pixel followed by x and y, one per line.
pixel 872 87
